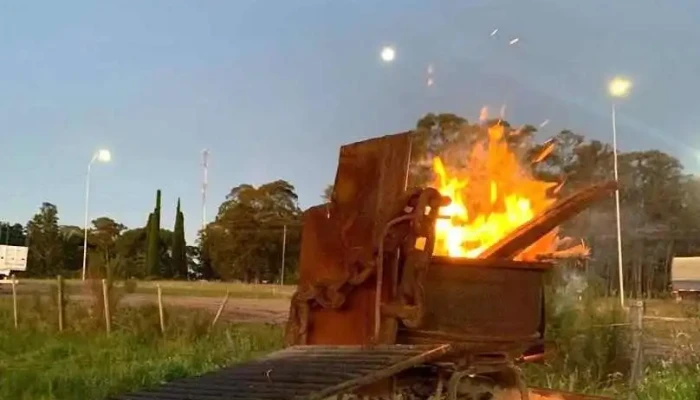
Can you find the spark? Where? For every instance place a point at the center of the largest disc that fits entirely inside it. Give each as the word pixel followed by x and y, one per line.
pixel 547 149
pixel 558 188
pixel 430 82
pixel 544 123
pixel 494 32
pixel 484 114
pixel 430 69
pixel 514 41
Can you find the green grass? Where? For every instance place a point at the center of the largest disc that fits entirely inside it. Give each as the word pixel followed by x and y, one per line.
pixel 39 363
pixel 674 382
pixel 591 343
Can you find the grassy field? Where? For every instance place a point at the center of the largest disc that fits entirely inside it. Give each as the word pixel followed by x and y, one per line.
pixel 39 363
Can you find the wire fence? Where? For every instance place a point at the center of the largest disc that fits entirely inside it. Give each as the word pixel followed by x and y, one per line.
pixel 652 338
pixel 104 296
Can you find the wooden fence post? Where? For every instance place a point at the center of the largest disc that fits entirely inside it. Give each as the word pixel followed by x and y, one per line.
pixel 160 309
pixel 59 283
pixel 220 310
pixel 14 302
pixel 637 323
pixel 105 297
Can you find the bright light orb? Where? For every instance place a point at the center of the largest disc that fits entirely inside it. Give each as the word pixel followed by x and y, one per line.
pixel 619 87
pixel 103 155
pixel 388 54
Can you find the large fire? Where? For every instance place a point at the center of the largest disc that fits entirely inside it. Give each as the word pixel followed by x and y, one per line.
pixel 491 197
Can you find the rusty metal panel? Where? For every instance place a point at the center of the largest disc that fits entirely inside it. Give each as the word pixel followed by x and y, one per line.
pixel 300 372
pixel 340 237
pixel 484 300
pixel 371 175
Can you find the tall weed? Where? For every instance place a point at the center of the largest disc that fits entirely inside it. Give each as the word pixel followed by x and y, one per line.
pixel 588 338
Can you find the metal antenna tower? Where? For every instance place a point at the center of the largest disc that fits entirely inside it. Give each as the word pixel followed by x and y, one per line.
pixel 205 179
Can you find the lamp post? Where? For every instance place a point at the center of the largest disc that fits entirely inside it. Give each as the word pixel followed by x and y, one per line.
pixel 284 252
pixel 618 88
pixel 101 156
pixel 388 54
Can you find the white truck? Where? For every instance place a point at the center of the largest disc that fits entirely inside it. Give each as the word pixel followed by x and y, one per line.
pixel 12 259
pixel 685 277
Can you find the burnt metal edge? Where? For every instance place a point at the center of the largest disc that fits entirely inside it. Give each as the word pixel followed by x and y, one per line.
pixel 502 263
pixel 466 338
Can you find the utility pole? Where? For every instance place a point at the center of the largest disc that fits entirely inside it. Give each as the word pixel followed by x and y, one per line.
pixel 284 251
pixel 205 181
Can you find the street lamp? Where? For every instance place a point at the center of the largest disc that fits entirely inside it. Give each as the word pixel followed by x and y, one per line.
pixel 388 54
pixel 104 156
pixel 618 88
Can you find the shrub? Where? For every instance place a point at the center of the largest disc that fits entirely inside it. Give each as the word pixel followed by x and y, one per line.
pixel 130 285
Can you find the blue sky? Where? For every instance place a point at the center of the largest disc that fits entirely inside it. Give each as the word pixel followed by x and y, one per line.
pixel 273 88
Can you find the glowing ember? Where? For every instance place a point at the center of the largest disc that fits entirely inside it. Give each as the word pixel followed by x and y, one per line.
pixel 491 197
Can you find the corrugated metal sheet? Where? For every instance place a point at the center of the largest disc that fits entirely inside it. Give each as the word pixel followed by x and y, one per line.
pixel 299 372
pixel 685 269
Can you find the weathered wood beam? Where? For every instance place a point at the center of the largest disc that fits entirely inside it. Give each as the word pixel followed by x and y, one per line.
pixel 530 232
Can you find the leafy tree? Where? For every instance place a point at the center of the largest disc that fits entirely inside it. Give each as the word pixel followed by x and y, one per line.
pixel 194 262
pixel 327 193
pixel 434 135
pixel 689 214
pixel 452 137
pixel 105 234
pixel 179 256
pixel 245 240
pixel 131 248
pixel 72 238
pixel 12 234
pixel 45 245
pixel 105 260
pixel 203 268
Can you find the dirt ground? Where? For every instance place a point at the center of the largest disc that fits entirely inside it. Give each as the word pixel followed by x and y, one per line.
pixel 272 311
pixel 266 310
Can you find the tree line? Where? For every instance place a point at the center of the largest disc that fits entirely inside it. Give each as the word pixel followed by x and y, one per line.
pixel 255 235
pixel 113 251
pixel 245 242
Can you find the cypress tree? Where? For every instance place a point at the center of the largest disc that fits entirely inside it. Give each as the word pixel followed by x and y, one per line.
pixel 179 258
pixel 153 249
pixel 146 260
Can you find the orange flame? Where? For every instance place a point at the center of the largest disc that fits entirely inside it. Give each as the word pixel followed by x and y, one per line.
pixel 493 196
